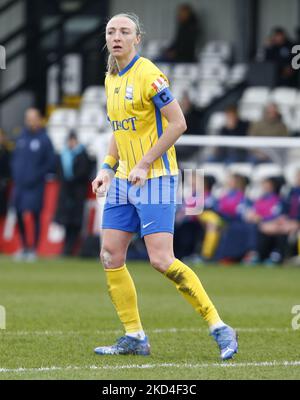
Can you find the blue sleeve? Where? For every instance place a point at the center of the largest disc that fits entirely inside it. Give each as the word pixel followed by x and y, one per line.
pixel 163 98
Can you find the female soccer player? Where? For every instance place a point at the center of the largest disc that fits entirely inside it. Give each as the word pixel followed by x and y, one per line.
pixel 146 121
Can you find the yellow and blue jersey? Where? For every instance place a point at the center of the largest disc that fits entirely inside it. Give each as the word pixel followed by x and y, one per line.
pixel 135 97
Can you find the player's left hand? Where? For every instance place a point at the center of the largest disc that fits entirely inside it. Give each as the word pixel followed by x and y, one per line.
pixel 138 174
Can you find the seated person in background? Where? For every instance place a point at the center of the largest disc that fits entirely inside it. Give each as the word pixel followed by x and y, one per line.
pixel 183 47
pixel 74 174
pixel 267 241
pixel 292 200
pixel 289 224
pixel 278 49
pixel 234 126
pixel 188 230
pixel 228 208
pixel 270 125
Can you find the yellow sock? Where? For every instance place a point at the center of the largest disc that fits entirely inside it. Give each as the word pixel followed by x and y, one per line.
pixel 123 294
pixel 298 243
pixel 189 285
pixel 210 243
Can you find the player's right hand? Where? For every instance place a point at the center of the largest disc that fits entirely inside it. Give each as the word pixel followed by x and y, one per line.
pixel 101 183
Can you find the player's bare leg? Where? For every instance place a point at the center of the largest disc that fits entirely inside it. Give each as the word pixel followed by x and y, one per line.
pixel 123 294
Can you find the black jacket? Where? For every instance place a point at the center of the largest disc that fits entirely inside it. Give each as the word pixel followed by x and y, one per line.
pixel 185 41
pixel 73 191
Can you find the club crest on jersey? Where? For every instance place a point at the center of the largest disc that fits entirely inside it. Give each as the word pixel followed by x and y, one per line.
pixel 129 93
pixel 159 84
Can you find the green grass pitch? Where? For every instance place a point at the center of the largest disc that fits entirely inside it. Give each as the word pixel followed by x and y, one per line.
pixel 58 311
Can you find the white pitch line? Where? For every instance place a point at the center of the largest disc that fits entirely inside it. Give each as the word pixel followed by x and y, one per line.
pixel 154 331
pixel 152 366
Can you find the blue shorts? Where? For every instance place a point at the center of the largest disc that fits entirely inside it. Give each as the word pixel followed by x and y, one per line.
pixel 145 210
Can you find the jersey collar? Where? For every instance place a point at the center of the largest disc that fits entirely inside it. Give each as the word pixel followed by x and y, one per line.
pixel 132 62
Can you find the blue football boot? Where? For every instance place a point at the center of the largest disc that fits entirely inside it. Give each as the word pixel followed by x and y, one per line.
pixel 126 345
pixel 227 340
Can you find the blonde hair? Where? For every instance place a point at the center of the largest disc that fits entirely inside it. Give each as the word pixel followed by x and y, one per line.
pixel 112 66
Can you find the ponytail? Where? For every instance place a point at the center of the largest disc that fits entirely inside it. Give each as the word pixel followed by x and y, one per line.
pixel 112 66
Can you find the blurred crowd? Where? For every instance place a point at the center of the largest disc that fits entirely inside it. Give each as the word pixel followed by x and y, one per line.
pixel 237 226
pixel 271 125
pixel 234 225
pixel 25 166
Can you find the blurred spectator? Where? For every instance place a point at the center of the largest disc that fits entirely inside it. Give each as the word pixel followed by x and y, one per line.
pixel 74 173
pixel 4 180
pixel 270 125
pixel 188 227
pixel 183 47
pixel 278 49
pixel 289 223
pixel 292 206
pixel 234 126
pixel 32 160
pixel 228 209
pixel 265 235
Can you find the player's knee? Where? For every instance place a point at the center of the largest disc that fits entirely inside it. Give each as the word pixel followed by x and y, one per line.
pixel 161 262
pixel 105 257
pixel 111 259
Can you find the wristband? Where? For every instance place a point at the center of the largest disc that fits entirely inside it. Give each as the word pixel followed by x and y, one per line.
pixel 109 163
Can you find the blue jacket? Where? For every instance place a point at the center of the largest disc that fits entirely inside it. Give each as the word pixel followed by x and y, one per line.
pixel 32 160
